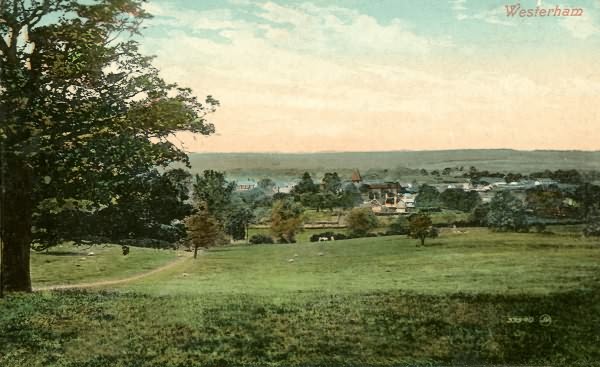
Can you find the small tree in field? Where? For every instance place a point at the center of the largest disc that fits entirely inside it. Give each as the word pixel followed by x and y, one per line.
pixel 286 219
pixel 360 221
pixel 420 227
pixel 203 230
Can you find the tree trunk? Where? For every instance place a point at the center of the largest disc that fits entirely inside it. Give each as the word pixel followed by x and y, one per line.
pixel 195 252
pixel 16 216
pixel 423 241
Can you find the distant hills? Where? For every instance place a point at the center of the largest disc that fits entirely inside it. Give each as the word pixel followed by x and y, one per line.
pixel 503 160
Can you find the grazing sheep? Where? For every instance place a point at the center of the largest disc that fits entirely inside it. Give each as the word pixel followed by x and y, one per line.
pixel 321 254
pixel 291 260
pixel 91 254
pixel 323 239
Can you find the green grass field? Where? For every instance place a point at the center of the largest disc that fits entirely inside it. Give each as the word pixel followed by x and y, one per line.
pixel 68 264
pixel 362 302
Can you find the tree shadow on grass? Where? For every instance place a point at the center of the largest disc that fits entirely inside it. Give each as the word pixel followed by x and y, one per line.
pixel 61 253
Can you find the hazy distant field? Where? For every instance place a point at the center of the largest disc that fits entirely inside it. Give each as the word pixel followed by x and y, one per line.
pixel 240 165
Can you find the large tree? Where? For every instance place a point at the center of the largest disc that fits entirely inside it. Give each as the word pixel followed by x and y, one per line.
pixel 305 186
pixel 215 192
pixel 81 112
pixel 507 213
pixel 427 197
pixel 332 183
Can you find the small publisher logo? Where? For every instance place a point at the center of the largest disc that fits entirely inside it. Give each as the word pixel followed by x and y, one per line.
pixel 545 320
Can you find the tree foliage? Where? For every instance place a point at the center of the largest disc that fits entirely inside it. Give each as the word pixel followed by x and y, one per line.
pixel 427 197
pixel 360 221
pixel 479 214
pixel 458 199
pixel 266 185
pixel 305 186
pixel 150 208
pixel 588 197
pixel 400 225
pixel 82 111
pixel 213 191
pixel 350 196
pixel 332 183
pixel 549 202
pixel 203 230
pixel 239 217
pixel 507 213
pixel 421 227
pixel 287 218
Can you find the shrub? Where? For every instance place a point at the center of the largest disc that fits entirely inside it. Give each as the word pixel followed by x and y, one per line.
pixel 399 226
pixel 258 239
pixel 336 236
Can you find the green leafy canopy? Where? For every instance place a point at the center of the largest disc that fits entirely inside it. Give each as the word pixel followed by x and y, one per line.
pixel 81 109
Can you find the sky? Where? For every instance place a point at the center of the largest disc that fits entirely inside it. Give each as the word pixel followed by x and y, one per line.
pixel 379 75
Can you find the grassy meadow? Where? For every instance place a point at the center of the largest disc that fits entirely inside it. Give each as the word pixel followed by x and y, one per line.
pixel 67 264
pixel 465 298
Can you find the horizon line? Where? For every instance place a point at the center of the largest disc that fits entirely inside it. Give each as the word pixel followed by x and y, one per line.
pixel 402 151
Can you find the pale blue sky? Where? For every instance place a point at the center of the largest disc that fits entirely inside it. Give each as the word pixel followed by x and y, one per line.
pixel 292 74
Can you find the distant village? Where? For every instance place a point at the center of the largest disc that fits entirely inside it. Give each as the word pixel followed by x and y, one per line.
pixel 396 197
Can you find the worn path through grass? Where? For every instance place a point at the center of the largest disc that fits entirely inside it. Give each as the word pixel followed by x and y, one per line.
pixel 106 283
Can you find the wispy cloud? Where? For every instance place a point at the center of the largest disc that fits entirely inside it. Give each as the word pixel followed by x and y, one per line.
pixel 458 5
pixel 306 27
pixel 312 77
pixel 495 15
